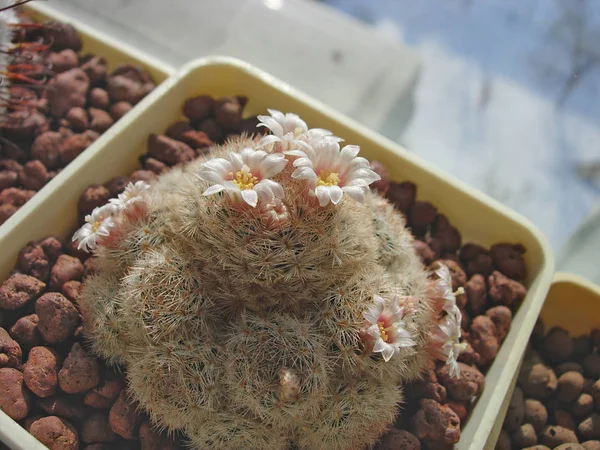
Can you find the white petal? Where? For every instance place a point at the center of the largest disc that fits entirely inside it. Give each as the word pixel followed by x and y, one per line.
pixel 355 192
pixel 349 151
pixel 271 124
pixel 388 352
pixel 379 345
pixel 269 139
pixel 373 331
pixel 272 165
pixel 303 162
pixel 230 186
pixel 277 115
pixel 298 153
pixel 304 173
pixel 372 314
pixel 322 193
pixel 335 193
pixel 250 197
pixel 213 189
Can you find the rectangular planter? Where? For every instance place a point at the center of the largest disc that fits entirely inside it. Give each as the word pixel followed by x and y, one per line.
pixel 479 218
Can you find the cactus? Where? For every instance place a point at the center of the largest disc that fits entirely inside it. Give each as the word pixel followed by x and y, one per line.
pixel 263 295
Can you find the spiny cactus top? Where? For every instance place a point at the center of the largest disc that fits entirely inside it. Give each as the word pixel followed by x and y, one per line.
pixel 263 295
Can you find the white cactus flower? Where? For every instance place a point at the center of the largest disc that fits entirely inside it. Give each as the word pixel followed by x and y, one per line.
pixel 98 225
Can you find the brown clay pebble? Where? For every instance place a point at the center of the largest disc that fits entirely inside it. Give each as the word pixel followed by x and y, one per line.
pixel 515 412
pixel 127 88
pixel 62 61
pixel 508 258
pixel 55 433
pixel 58 317
pixel 52 247
pixel 476 260
pixel 18 290
pixel 154 165
pixel 383 184
pixel 168 150
pixel 8 178
pixel 503 442
pixel 104 396
pixel 16 197
pixel 96 429
pixel 570 385
pixel 123 417
pixel 10 351
pixel 537 380
pixel 228 113
pixel 66 90
pixel 40 372
pixel 72 290
pixel 436 423
pixel 116 185
pixel 475 290
pixel 95 69
pixel 502 318
pixel 595 337
pixel 151 439
pixel 591 445
pixel 553 436
pixel 33 261
pixel 582 345
pixel 595 392
pixel 535 414
pixel 424 252
pixel 100 120
pixel 15 399
pixel 402 195
pixel 25 331
pixel 67 268
pixel 590 427
pixel 504 291
pixel 591 365
pixel 176 130
pixel 537 447
pixel 63 406
pixel 483 338
pixel 77 119
pixel 464 388
pixel 80 372
pixel 6 211
pixel 99 98
pixel 34 175
pixel 90 267
pixel 569 446
pixel 74 145
pixel 212 129
pixel 525 436
pixel 94 196
pixel 143 175
pixel 46 148
pixel 563 419
pixel 197 140
pixel 569 366
pixel 459 408
pixel 582 406
pixel 422 214
pixel 198 108
pixel 119 109
pixel 63 35
pixel 558 345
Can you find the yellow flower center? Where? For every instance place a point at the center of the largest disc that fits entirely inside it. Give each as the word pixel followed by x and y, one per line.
pixel 382 331
pixel 244 179
pixel 298 131
pixel 96 225
pixel 328 178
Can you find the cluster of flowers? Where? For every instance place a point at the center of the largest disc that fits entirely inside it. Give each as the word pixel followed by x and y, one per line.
pixel 102 219
pixel 330 171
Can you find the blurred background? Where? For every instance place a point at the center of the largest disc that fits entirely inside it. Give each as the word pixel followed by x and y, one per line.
pixel 504 94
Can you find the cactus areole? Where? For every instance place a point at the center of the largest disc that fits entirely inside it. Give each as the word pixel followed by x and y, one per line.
pixel 263 295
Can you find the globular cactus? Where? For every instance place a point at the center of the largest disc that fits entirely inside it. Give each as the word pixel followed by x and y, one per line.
pixel 263 295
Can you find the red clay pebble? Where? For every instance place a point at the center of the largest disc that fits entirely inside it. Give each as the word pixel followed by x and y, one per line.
pixel 446 236
pixel 422 214
pixel 62 61
pixel 94 196
pixel 582 406
pixel 71 248
pixel 95 69
pixel 128 86
pixel 58 317
pixel 15 399
pixel 72 290
pixel 503 442
pixel 8 178
pixel 22 125
pixel 537 380
pixel 96 429
pixel 563 419
pixel 74 145
pixel 116 185
pixel 504 291
pixel 464 388
pixel 394 439
pixel 424 252
pixel 515 412
pixel 62 36
pixel 502 318
pixel 436 423
pixel 475 290
pixel 383 184
pixel 77 119
pixel 67 268
pixel 558 345
pixel 10 351
pixel 100 120
pixel 591 445
pixel 55 433
pixel 155 166
pixel 15 196
pixel 476 260
pixel 52 247
pixel 34 175
pixel 40 372
pixel 46 148
pixel 198 108
pixel 228 112
pixel 119 109
pixel 168 150
pixel 590 428
pixel 80 372
pixel 25 331
pixel 553 436
pixel 595 392
pixel 508 259
pixel 104 396
pixel 18 290
pixel 63 406
pixel 569 446
pixel 402 195
pixel 212 129
pixel 123 417
pixel 469 355
pixel 151 439
pixel 176 130
pixel 66 90
pixel 483 339
pixel 459 408
pixel 568 366
pixel 197 140
pixel 6 211
pixel 525 436
pixel 591 365
pixel 33 261
pixel 570 385
pixel 535 413
pixel 456 273
pixel 99 98
pixel 143 175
